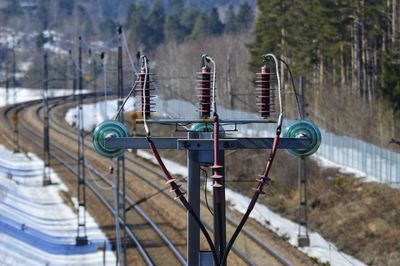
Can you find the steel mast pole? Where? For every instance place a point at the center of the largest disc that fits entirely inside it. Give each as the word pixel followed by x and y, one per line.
pixel 15 114
pixel 46 136
pixel 303 239
pixel 121 158
pixel 81 238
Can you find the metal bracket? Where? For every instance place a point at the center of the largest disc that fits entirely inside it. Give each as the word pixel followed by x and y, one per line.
pixel 206 144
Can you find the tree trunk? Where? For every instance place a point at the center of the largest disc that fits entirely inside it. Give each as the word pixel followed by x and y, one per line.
pixel 394 23
pixel 342 68
pixel 353 63
pixel 375 69
pixel 358 52
pixel 364 58
pixel 384 38
pixel 229 83
pixel 321 70
pixel 334 73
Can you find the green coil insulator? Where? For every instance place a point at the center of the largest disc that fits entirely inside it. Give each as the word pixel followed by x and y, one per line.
pixel 203 127
pixel 108 129
pixel 305 129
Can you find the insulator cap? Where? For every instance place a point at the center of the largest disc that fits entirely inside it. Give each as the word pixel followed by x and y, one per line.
pixel 108 129
pixel 307 129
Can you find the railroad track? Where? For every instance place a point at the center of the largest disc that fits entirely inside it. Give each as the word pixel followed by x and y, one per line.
pixel 143 171
pixel 158 182
pixel 152 244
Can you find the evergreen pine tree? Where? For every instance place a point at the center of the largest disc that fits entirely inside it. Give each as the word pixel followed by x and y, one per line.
pixel 244 19
pixel 230 20
pixel 155 21
pixel 215 24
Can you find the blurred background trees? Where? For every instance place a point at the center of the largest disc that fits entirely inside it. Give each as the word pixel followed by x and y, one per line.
pixel 347 50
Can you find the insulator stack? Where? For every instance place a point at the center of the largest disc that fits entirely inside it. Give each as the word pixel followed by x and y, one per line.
pixel 265 94
pixel 146 98
pixel 204 92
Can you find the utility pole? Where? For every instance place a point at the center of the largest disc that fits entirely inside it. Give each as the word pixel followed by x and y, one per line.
pixel 81 238
pixel 138 60
pixel 14 71
pixel 7 84
pixel 15 114
pixel 14 65
pixel 103 66
pixel 94 80
pixel 303 239
pixel 74 69
pixel 229 83
pixel 46 136
pixel 15 119
pixel 121 159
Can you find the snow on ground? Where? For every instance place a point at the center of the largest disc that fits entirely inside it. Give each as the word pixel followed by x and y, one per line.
pixel 321 249
pixel 325 163
pixel 19 95
pixel 9 37
pixel 181 109
pixel 36 225
pixel 55 48
pixel 97 113
pixel 177 168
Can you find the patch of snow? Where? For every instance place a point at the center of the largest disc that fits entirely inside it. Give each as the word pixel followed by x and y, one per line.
pixel 351 155
pixel 325 163
pixel 36 225
pixel 97 113
pixel 54 48
pixel 319 247
pixel 19 95
pixel 178 169
pixel 24 66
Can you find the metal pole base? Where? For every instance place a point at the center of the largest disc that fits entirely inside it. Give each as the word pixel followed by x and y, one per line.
pixel 46 182
pixel 82 241
pixel 303 241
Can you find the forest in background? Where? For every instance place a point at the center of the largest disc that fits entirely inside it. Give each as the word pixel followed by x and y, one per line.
pixel 348 51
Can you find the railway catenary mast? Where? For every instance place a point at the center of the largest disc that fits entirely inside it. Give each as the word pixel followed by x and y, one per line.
pixel 121 159
pixel 46 136
pixel 303 238
pixel 81 238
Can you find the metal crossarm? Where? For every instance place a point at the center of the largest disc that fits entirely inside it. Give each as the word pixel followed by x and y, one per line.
pixel 205 144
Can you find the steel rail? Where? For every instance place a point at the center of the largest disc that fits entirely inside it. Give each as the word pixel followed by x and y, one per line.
pixel 20 107
pixel 230 220
pixel 108 205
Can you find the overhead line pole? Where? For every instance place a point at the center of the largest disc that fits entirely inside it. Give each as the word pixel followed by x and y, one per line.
pixel 7 84
pixel 15 114
pixel 121 158
pixel 303 239
pixel 81 238
pixel 74 81
pixel 46 136
pixel 94 65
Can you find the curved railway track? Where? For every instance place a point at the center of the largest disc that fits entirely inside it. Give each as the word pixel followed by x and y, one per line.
pixel 149 233
pixel 260 252
pixel 232 222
